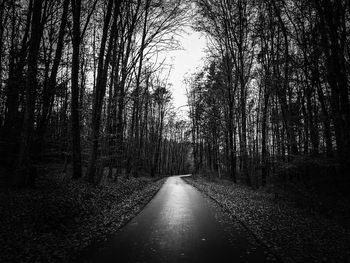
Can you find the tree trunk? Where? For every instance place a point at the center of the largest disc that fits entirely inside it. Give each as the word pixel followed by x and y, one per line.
pixel 75 111
pixel 24 174
pixel 100 89
pixel 49 90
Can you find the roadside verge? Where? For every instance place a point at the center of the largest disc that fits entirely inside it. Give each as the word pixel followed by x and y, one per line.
pixel 297 235
pixel 60 218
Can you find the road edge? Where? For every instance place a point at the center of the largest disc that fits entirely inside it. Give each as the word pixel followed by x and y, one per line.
pixel 83 255
pixel 265 244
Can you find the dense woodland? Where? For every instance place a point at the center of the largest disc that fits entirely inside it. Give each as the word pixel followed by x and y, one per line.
pixel 275 92
pixel 89 132
pixel 81 83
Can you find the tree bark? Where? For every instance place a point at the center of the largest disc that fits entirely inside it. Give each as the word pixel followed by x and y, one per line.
pixel 23 172
pixel 75 110
pixel 100 88
pixel 49 90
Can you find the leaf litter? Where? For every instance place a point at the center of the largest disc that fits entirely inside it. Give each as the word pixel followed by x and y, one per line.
pixel 292 232
pixel 61 217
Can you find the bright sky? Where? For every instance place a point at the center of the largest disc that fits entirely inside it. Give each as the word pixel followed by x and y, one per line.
pixel 185 62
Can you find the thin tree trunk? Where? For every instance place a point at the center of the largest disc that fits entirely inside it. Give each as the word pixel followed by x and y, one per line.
pixel 100 88
pixel 24 166
pixel 75 111
pixel 49 91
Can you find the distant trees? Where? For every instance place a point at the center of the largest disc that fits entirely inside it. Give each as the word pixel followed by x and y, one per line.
pixel 78 82
pixel 279 72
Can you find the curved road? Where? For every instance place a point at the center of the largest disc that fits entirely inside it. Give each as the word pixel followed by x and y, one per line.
pixel 180 225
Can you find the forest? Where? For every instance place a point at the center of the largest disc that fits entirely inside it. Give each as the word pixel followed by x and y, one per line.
pixel 276 89
pixel 89 131
pixel 79 83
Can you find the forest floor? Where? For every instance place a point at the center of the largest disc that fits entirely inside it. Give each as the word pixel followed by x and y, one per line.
pixel 61 217
pixel 296 231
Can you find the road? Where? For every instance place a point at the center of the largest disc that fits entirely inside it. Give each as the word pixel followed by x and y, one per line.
pixel 180 225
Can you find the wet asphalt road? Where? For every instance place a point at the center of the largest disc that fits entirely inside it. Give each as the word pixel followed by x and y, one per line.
pixel 179 225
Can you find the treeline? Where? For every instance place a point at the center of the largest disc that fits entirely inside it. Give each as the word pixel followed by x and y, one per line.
pixel 79 80
pixel 276 89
